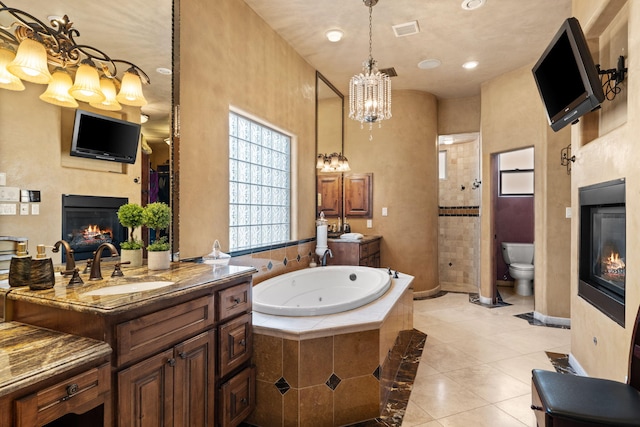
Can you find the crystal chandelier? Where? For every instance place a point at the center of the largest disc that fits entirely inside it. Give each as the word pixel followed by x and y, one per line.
pixel 370 91
pixel 28 47
pixel 334 162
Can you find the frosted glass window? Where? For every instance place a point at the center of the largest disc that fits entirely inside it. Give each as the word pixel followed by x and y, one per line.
pixel 442 165
pixel 259 184
pixel 516 173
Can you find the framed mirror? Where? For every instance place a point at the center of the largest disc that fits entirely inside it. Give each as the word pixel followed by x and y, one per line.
pixel 329 140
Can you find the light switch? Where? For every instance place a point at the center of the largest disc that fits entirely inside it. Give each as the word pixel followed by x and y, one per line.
pixel 35 209
pixel 7 209
pixel 369 223
pixel 385 212
pixel 567 212
pixel 3 178
pixel 24 209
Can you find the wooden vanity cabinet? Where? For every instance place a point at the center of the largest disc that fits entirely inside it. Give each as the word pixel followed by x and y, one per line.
pixel 365 252
pixel 183 361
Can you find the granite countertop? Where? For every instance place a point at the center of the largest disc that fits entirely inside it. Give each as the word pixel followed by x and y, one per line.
pixel 29 354
pixel 187 277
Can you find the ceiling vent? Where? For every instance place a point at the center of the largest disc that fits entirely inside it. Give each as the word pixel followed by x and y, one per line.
pixel 391 72
pixel 406 29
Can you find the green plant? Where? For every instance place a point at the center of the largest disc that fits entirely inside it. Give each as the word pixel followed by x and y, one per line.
pixel 130 215
pixel 131 244
pixel 157 216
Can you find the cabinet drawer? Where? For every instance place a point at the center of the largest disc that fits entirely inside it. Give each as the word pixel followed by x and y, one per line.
pixel 234 300
pixel 236 344
pixel 77 394
pixel 154 332
pixel 237 398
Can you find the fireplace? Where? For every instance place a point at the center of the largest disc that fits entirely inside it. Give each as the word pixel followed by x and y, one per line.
pixel 603 247
pixel 89 221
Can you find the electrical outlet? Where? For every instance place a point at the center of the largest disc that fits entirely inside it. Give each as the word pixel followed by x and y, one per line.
pixel 369 223
pixel 3 179
pixel 567 212
pixel 385 212
pixel 24 209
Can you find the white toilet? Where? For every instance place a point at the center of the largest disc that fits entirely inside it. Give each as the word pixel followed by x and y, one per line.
pixel 519 258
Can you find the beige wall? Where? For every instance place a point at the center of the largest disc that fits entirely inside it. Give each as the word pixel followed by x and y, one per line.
pixel 403 157
pixel 612 155
pixel 34 144
pixel 513 117
pixel 460 115
pixel 249 67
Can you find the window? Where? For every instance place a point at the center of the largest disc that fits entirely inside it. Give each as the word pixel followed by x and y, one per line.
pixel 259 184
pixel 516 173
pixel 442 164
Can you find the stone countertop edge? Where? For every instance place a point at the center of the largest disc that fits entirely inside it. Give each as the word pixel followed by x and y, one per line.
pixel 188 277
pixel 365 239
pixel 24 365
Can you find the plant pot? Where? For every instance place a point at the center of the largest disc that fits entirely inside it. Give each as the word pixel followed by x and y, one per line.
pixel 158 260
pixel 134 256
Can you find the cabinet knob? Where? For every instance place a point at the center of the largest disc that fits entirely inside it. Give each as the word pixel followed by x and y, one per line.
pixel 183 355
pixel 236 300
pixel 171 362
pixel 243 342
pixel 243 401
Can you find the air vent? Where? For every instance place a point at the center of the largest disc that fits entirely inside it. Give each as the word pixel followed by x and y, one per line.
pixel 391 72
pixel 406 29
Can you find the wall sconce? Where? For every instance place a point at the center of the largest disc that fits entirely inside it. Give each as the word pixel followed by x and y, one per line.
pixel 25 55
pixel 334 162
pixel 566 158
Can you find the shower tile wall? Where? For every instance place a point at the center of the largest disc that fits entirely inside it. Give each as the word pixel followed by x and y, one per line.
pixel 459 220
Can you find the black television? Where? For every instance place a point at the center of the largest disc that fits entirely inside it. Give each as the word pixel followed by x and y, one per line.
pixel 104 138
pixel 567 78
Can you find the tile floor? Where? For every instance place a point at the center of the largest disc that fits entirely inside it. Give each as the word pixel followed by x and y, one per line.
pixel 477 361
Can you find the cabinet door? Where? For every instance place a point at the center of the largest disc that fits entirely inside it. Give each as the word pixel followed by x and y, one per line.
pixel 237 398
pixel 145 392
pixel 195 381
pixel 235 343
pixel 358 195
pixel 329 195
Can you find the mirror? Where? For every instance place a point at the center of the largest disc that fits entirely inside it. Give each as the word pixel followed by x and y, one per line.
pixel 329 139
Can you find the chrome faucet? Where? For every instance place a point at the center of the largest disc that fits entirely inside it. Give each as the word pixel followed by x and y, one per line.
pixel 96 274
pixel 68 254
pixel 324 257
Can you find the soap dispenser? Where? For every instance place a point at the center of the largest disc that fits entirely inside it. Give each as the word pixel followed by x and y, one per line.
pixel 42 275
pixel 20 267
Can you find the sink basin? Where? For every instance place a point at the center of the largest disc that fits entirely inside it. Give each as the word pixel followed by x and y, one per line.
pixel 129 288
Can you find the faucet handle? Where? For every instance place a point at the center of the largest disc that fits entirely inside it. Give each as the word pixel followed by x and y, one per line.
pixel 117 272
pixel 75 277
pixel 87 267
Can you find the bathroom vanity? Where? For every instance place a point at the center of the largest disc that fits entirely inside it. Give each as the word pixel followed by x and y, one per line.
pixel 181 351
pixel 365 252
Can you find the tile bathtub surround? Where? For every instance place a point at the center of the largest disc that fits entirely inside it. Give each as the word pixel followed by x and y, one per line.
pixel 306 373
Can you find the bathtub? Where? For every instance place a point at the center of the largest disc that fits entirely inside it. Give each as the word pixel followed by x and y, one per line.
pixel 320 291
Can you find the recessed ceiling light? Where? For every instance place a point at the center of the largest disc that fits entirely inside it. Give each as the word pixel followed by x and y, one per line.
pixel 334 35
pixel 165 71
pixel 470 65
pixel 472 4
pixel 428 64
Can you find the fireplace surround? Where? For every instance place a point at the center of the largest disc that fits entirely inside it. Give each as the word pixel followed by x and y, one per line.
pixel 603 247
pixel 88 221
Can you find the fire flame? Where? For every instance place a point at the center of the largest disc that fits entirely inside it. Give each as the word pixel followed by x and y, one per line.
pixel 94 231
pixel 614 261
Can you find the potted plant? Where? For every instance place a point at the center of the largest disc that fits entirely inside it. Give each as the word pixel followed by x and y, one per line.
pixel 130 215
pixel 158 217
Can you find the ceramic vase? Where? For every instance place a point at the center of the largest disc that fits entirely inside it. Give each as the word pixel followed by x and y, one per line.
pixel 134 256
pixel 158 260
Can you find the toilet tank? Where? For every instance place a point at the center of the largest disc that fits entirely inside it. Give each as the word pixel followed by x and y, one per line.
pixel 517 253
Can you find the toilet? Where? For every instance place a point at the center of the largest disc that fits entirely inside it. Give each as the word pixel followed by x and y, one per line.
pixel 519 258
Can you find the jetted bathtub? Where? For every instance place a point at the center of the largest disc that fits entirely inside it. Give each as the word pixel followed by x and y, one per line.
pixel 320 291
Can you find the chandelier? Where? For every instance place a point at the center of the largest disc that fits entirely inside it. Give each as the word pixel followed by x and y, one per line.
pixel 28 47
pixel 370 91
pixel 333 162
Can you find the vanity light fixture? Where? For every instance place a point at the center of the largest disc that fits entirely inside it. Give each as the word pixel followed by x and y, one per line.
pixel 334 162
pixel 40 46
pixel 370 91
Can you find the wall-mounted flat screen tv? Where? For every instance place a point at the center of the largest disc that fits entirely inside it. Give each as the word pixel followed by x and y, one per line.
pixel 567 78
pixel 104 138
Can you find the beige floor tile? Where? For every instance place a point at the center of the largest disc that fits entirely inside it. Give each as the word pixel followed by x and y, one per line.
pixel 520 367
pixel 415 416
pixel 489 383
pixel 486 416
pixel 448 332
pixel 440 397
pixel 444 358
pixel 485 350
pixel 519 407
